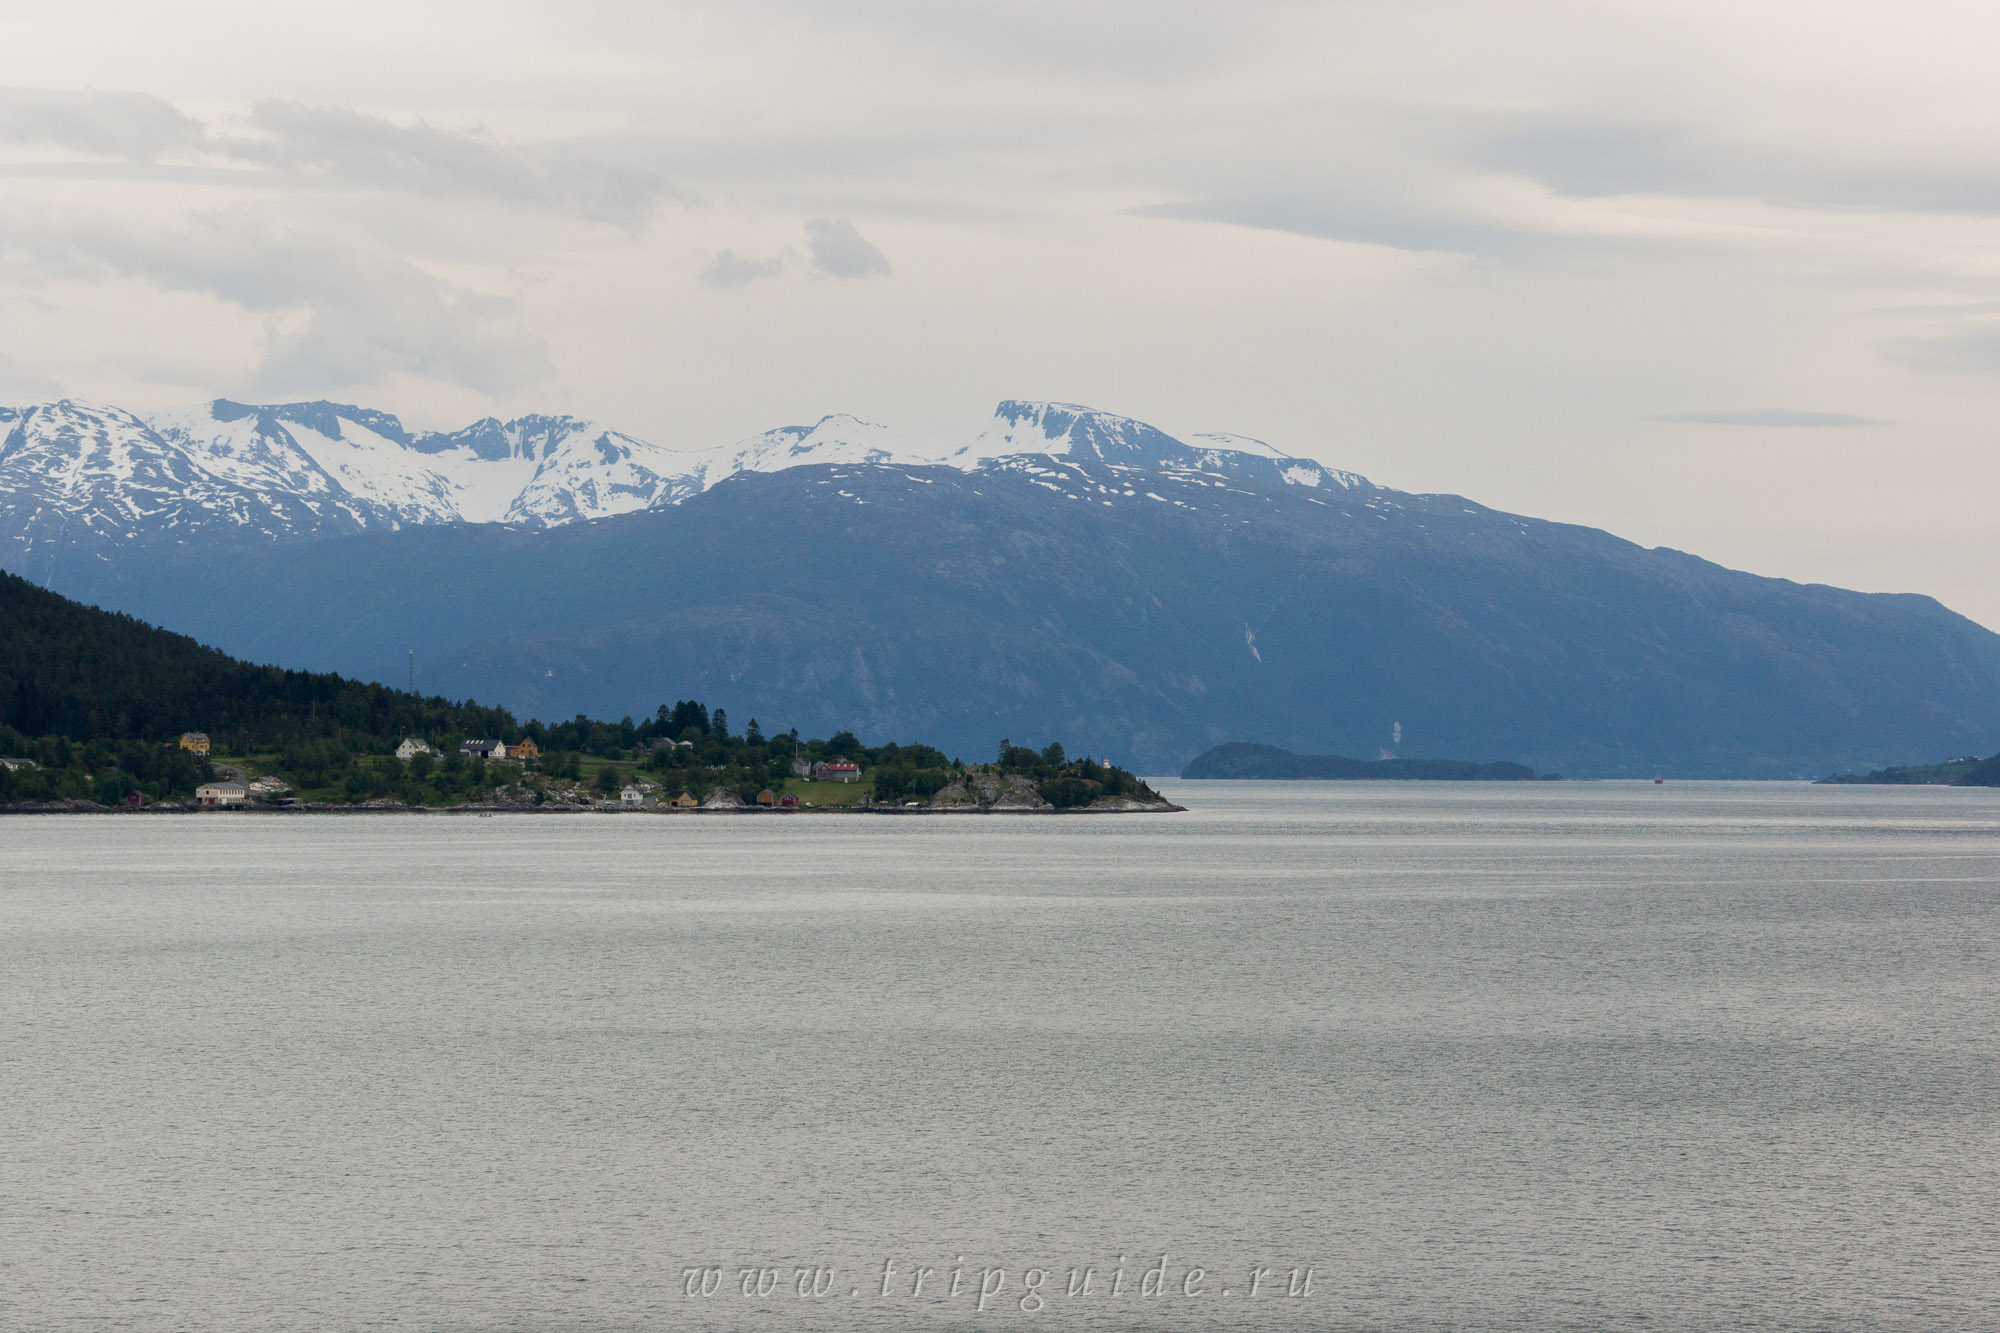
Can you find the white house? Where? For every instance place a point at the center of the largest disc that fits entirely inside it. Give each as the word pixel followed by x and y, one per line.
pixel 631 797
pixel 219 794
pixel 839 770
pixel 411 748
pixel 483 750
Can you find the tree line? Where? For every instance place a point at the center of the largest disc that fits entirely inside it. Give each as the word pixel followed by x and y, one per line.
pixel 98 700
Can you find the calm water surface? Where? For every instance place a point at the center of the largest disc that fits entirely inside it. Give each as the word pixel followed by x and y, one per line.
pixel 1700 1056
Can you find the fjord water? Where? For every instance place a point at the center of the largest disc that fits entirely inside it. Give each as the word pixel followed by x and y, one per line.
pixel 1516 1056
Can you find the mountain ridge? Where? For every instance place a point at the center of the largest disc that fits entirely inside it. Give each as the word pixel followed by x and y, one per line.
pixel 1060 572
pixel 1143 614
pixel 71 470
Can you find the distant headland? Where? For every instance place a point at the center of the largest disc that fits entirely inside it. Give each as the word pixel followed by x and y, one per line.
pixel 1965 771
pixel 1269 763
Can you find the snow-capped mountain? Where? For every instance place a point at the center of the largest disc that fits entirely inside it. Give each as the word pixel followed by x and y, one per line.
pixel 80 475
pixel 534 471
pixel 1056 571
pixel 834 439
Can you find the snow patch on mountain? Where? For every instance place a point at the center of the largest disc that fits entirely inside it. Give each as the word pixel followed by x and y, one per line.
pixel 299 469
pixel 85 473
pixel 832 439
pixel 1221 449
pixel 589 471
pixel 1065 430
pixel 536 470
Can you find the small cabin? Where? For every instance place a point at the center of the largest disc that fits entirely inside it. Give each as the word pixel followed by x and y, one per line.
pixel 684 801
pixel 631 797
pixel 767 797
pixel 788 802
pixel 195 742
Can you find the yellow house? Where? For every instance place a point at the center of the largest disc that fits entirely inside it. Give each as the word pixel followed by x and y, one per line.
pixel 684 802
pixel 527 749
pixel 197 741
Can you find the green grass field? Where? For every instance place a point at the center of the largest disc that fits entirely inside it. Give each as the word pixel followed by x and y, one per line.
pixel 831 793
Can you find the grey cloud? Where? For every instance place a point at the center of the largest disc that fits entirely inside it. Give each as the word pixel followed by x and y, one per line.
pixel 1977 193
pixel 1369 223
pixel 1105 41
pixel 1594 158
pixel 729 269
pixel 344 145
pixel 1975 350
pixel 425 159
pixel 1767 416
pixel 411 327
pixel 341 316
pixel 131 126
pixel 840 251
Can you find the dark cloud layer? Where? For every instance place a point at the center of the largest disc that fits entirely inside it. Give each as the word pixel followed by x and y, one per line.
pixel 342 145
pixel 343 313
pixel 1595 157
pixel 425 159
pixel 729 269
pixel 132 127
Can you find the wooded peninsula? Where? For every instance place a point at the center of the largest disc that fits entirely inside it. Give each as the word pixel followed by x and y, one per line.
pixel 102 711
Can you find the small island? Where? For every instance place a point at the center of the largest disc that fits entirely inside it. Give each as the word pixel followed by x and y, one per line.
pixel 1269 763
pixel 101 712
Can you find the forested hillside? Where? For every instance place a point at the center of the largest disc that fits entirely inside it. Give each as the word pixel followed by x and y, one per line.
pixel 77 672
pixel 97 702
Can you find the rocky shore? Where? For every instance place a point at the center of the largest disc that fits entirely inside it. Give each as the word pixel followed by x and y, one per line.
pixel 1110 806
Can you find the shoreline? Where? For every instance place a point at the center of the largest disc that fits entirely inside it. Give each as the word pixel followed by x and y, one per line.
pixel 91 808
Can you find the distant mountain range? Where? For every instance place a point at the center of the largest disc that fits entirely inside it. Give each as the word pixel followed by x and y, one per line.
pixel 1056 572
pixel 81 477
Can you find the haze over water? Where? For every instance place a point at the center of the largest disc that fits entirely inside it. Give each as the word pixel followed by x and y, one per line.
pixel 1483 1056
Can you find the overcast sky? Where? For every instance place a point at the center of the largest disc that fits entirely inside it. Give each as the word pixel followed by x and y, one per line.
pixel 1719 276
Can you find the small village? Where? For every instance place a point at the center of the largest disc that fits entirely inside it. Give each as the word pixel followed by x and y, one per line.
pixel 665 776
pixel 522 784
pixel 346 747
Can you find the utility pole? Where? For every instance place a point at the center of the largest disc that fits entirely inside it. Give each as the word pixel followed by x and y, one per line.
pixel 413 671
